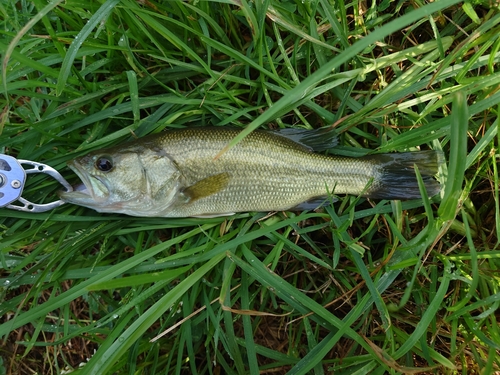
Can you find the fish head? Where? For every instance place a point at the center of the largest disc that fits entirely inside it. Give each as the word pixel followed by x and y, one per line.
pixel 133 181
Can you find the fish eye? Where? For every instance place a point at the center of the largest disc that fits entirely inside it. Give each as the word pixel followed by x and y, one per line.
pixel 104 163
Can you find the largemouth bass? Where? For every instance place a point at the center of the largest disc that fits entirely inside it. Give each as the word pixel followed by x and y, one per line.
pixel 176 174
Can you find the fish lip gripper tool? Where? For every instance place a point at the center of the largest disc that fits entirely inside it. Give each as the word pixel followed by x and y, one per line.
pixel 13 178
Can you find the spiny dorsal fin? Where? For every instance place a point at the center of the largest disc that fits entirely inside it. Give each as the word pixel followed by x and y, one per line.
pixel 207 186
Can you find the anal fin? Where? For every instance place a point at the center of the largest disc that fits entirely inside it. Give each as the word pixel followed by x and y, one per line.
pixel 314 203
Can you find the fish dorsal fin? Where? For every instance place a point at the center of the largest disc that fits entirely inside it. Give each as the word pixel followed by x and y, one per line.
pixel 206 187
pixel 315 140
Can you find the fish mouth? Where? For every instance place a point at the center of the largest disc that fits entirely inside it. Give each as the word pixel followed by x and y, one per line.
pixel 90 192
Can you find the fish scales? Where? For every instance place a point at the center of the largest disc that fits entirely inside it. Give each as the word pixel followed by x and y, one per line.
pixel 178 174
pixel 266 171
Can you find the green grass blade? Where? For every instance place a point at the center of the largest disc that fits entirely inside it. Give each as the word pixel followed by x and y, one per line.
pixel 99 16
pixel 102 363
pixel 427 317
pixel 301 90
pixel 73 293
pixel 20 34
pixel 453 189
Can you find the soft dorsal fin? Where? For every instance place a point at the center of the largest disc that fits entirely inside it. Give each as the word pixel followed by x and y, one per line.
pixel 315 140
pixel 206 187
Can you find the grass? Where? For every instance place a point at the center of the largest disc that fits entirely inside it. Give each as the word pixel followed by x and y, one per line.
pixel 355 288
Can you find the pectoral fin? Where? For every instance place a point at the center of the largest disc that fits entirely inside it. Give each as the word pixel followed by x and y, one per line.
pixel 206 187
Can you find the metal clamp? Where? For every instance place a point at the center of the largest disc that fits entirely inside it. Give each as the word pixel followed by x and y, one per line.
pixel 13 178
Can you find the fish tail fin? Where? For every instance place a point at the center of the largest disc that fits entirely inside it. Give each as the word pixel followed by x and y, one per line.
pixel 397 179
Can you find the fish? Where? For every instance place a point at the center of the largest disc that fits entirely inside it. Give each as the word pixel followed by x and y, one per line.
pixel 179 173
